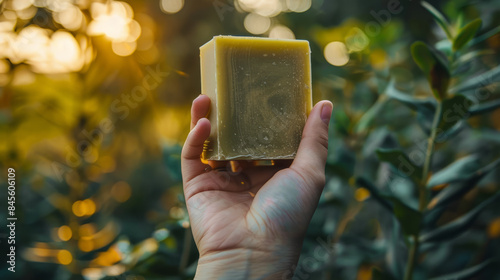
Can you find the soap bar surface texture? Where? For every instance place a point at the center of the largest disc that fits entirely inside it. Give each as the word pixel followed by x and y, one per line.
pixel 260 92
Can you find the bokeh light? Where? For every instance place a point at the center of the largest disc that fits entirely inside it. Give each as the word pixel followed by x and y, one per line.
pixel 356 40
pixel 124 48
pixel 256 24
pixel 115 20
pixel 281 32
pixel 64 233
pixel 298 6
pixel 64 257
pixel 171 6
pixel 121 191
pixel 336 53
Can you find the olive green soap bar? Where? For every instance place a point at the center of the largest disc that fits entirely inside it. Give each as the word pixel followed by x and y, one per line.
pixel 260 92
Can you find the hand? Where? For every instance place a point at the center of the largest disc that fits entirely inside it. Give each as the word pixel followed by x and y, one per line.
pixel 250 224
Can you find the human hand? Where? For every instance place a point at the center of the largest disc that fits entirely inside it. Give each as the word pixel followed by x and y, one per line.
pixel 250 224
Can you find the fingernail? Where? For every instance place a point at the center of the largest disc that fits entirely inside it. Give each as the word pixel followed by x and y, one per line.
pixel 326 112
pixel 198 97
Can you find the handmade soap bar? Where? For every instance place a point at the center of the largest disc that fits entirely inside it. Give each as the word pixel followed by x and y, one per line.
pixel 260 92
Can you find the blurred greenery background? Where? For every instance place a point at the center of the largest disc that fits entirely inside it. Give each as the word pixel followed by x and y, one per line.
pixel 94 108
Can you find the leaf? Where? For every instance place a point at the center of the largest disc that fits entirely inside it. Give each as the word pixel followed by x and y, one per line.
pixel 484 108
pixel 409 218
pixel 374 193
pixel 439 80
pixel 424 106
pixel 478 81
pixel 467 273
pixel 485 36
pixel 454 110
pixel 440 19
pixel 435 67
pixel 459 188
pixel 458 226
pixel 458 170
pixel 466 34
pixel 379 138
pixel 401 162
pixel 473 54
pixel 422 56
pixel 374 111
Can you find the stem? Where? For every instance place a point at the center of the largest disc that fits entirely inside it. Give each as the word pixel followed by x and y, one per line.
pixel 422 190
pixel 412 255
pixel 428 158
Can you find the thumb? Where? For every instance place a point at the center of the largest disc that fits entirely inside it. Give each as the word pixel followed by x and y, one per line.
pixel 313 149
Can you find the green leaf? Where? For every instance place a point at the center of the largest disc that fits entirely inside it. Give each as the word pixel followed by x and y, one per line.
pixel 422 56
pixel 439 80
pixel 374 111
pixel 424 106
pixel 401 162
pixel 484 108
pixel 467 273
pixel 440 19
pixel 466 34
pixel 485 36
pixel 457 171
pixel 374 193
pixel 478 81
pixel 409 218
pixel 462 186
pixel 454 110
pixel 471 55
pixel 435 67
pixel 458 226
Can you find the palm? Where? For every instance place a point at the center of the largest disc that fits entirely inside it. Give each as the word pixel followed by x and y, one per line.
pixel 228 210
pixel 260 205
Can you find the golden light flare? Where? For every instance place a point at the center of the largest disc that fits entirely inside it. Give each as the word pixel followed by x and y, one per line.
pixel 361 194
pixel 336 53
pixel 171 6
pixel 298 6
pixel 124 48
pixel 4 66
pixel 18 5
pixel 114 20
pixel 92 240
pixel 494 228
pixel 256 24
pixel 64 233
pixel 85 207
pixel 281 32
pixel 268 8
pixel 71 17
pixel 107 258
pixel 64 257
pixel 85 245
pixel 121 191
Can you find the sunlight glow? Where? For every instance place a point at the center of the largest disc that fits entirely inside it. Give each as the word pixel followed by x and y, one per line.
pixel 171 6
pixel 336 53
pixel 281 32
pixel 256 24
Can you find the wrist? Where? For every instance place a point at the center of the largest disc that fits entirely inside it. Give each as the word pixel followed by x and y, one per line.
pixel 248 264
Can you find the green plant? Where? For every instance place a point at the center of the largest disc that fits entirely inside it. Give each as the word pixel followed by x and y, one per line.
pixel 458 94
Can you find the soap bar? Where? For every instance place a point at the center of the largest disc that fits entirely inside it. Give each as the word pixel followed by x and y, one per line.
pixel 260 92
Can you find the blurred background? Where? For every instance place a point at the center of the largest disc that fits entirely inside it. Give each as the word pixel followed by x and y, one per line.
pixel 94 108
